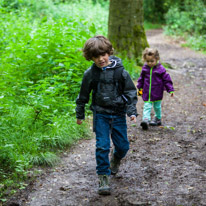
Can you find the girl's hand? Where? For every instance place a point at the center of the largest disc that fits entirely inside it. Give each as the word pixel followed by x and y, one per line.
pixel 79 121
pixel 140 92
pixel 172 94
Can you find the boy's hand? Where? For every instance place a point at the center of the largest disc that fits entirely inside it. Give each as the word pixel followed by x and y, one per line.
pixel 171 94
pixel 133 118
pixel 79 121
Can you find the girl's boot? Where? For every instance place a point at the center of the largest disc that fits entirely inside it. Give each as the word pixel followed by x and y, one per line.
pixel 155 122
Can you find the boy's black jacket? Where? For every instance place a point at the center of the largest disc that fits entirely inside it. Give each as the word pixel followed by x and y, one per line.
pixel 106 97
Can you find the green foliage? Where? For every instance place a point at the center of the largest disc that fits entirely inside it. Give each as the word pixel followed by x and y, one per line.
pixel 197 43
pixel 41 68
pixel 183 18
pixel 149 25
pixel 188 20
pixel 194 14
pixel 24 143
pixel 132 67
pixel 154 11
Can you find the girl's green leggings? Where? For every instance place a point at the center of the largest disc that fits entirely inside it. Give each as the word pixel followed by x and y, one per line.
pixel 148 107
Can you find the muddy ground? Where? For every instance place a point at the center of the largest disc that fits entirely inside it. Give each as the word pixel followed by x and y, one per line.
pixel 165 165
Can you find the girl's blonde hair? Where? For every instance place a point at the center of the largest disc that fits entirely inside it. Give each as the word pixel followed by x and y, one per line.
pixel 150 52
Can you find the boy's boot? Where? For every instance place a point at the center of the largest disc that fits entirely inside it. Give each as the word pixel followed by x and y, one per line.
pixel 144 124
pixel 104 188
pixel 155 122
pixel 114 164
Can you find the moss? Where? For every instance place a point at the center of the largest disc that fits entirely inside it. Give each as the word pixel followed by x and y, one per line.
pixel 141 40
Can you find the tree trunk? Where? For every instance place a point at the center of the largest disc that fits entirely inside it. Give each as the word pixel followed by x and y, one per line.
pixel 125 29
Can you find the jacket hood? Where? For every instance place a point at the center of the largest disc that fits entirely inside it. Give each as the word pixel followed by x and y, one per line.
pixel 116 61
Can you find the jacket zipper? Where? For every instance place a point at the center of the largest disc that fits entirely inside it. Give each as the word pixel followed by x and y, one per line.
pixel 150 83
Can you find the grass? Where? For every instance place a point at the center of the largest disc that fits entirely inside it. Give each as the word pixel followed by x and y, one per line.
pixel 197 43
pixel 25 144
pixel 149 25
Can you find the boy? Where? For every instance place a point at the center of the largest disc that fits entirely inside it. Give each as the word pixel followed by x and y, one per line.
pixel 113 95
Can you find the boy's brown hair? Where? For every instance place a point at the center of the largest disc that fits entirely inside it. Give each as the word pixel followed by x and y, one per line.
pixel 150 52
pixel 96 46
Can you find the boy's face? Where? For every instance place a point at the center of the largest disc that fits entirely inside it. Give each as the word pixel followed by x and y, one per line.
pixel 102 60
pixel 151 61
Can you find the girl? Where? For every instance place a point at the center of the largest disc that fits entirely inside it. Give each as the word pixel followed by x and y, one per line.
pixel 151 83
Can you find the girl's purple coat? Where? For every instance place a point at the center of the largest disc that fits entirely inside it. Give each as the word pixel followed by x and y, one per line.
pixel 160 81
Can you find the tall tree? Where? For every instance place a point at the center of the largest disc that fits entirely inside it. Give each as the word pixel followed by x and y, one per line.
pixel 125 29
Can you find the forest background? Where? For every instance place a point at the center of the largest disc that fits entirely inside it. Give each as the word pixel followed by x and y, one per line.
pixel 41 68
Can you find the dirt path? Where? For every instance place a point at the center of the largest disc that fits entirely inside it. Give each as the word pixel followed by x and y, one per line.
pixel 165 165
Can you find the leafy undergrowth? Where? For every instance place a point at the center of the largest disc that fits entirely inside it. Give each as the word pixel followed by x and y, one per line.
pixel 188 22
pixel 41 68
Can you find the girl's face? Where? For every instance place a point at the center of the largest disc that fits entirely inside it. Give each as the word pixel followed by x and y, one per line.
pixel 151 61
pixel 102 60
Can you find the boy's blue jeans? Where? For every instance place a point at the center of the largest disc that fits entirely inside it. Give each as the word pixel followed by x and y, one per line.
pixel 147 110
pixel 115 126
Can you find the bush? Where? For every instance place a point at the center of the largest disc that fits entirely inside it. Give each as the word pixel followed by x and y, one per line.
pixel 41 67
pixel 189 21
